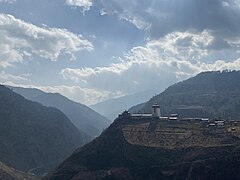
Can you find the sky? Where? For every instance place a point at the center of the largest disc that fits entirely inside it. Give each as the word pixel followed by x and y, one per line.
pixel 94 50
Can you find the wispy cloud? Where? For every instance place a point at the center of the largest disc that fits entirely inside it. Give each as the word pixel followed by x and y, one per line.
pixel 156 65
pixel 7 1
pixel 20 40
pixel 152 44
pixel 5 77
pixel 159 18
pixel 85 5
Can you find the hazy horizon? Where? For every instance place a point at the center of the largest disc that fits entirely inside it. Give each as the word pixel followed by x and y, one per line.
pixel 93 50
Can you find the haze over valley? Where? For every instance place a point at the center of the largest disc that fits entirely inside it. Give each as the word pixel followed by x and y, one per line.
pixel 107 89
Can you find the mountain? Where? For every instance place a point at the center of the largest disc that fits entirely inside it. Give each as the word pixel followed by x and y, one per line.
pixel 111 108
pixel 148 148
pixel 8 173
pixel 85 119
pixel 34 137
pixel 209 94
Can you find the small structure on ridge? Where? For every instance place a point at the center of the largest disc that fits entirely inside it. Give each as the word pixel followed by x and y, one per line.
pixel 156 110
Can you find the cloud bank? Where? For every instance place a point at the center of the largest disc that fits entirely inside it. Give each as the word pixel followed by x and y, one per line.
pixel 156 65
pixel 7 77
pixel 159 18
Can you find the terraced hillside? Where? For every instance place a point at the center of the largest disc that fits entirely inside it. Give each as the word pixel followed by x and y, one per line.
pixel 146 148
pixel 172 135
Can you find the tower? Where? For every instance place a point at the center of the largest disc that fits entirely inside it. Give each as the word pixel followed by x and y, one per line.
pixel 156 110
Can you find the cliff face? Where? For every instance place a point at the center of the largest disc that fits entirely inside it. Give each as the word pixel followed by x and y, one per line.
pixel 143 148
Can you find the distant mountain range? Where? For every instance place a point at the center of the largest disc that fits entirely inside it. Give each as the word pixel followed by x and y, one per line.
pixel 89 122
pixel 32 135
pixel 111 108
pixel 209 94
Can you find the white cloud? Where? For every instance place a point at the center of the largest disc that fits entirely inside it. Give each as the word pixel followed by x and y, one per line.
pixel 157 18
pixel 5 77
pixel 156 65
pixel 125 10
pixel 84 4
pixel 7 1
pixel 135 20
pixel 225 4
pixel 20 40
pixel 185 45
pixel 236 2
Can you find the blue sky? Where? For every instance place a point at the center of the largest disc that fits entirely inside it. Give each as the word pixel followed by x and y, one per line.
pixel 93 50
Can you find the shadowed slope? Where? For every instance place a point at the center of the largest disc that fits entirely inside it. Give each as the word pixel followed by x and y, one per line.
pixel 32 135
pixel 89 122
pixel 209 94
pixel 113 156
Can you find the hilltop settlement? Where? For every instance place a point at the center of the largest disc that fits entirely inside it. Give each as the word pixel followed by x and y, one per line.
pixel 190 131
pixel 156 115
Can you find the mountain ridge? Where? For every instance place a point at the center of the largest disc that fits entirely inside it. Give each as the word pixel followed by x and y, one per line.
pixel 89 122
pixel 112 107
pixel 139 147
pixel 112 156
pixel 32 135
pixel 209 94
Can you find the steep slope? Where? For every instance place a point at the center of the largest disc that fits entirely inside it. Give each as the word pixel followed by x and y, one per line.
pixel 32 135
pixel 7 173
pixel 209 94
pixel 85 119
pixel 111 108
pixel 132 149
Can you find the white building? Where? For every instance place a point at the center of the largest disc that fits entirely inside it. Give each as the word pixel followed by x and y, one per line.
pixel 156 110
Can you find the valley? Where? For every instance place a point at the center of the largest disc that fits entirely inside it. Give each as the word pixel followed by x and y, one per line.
pixel 119 90
pixel 178 134
pixel 178 138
